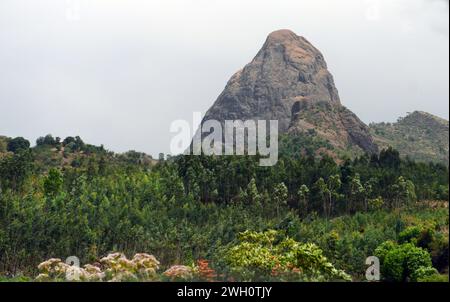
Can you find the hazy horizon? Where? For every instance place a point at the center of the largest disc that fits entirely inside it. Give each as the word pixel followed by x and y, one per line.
pixel 118 73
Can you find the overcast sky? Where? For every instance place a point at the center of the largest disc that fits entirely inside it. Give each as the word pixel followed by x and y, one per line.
pixel 118 72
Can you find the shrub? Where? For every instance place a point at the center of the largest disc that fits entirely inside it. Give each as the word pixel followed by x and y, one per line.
pixel 179 273
pixel 376 203
pixel 384 249
pixel 410 235
pixel 434 278
pixel 204 271
pixel 418 235
pixel 400 262
pixel 270 255
pixel 423 273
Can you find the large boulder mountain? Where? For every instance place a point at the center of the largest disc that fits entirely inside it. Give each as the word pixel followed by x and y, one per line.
pixel 420 136
pixel 289 81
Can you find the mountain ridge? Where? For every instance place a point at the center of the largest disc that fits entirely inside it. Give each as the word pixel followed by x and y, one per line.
pixel 419 135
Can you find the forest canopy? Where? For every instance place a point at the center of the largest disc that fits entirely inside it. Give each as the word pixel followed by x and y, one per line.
pixel 306 219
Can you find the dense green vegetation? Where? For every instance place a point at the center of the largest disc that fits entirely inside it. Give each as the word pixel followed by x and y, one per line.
pixel 306 219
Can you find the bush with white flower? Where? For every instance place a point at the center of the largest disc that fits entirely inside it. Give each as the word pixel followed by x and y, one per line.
pixel 113 268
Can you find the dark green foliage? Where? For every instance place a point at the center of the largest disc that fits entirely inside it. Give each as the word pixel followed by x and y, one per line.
pixel 74 144
pixel 303 144
pixel 53 183
pixel 270 255
pixel 400 263
pixel 48 140
pixel 349 188
pixel 389 158
pixel 424 274
pixel 15 169
pixel 18 144
pixel 421 236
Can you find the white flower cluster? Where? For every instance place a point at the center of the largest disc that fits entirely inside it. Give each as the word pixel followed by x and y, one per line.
pixel 113 268
pixel 179 272
pixel 118 268
pixel 55 269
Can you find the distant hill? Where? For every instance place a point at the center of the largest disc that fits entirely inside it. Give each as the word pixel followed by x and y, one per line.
pixel 420 136
pixel 72 152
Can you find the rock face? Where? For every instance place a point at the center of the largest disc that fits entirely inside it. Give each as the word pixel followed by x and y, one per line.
pixel 420 136
pixel 288 81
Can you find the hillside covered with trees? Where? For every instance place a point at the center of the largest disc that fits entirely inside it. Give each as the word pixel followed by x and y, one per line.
pixel 419 136
pixel 218 218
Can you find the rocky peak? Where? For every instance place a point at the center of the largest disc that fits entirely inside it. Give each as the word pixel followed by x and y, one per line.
pixel 281 36
pixel 296 50
pixel 287 70
pixel 288 75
